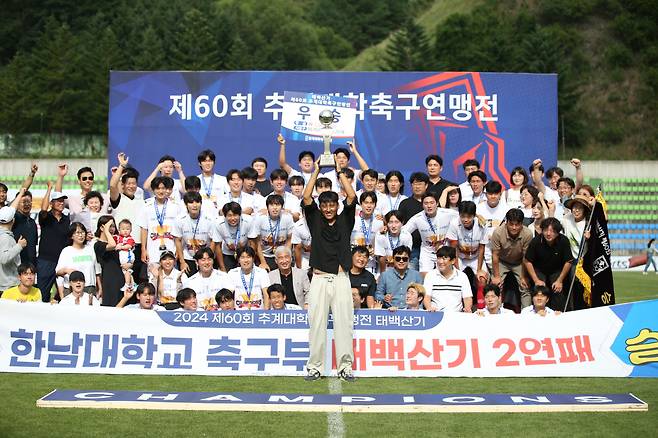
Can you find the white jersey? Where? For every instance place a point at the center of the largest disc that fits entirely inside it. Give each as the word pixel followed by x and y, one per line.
pixel 335 183
pixel 490 218
pixel 466 191
pixel 194 233
pixel 468 242
pixel 530 310
pixel 295 172
pixel 385 243
pixel 213 187
pixel 227 235
pixel 159 236
pixel 273 233
pixel 244 199
pixel 302 236
pixel 386 203
pixel 249 287
pixel 291 203
pixel 433 233
pixel 207 287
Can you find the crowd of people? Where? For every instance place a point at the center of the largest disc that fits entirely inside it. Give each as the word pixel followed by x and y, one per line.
pixel 242 240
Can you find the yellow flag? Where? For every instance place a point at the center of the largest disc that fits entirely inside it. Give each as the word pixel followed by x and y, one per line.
pixel 600 200
pixel 586 281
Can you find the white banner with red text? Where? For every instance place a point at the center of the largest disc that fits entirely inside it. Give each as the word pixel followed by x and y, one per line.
pixel 615 341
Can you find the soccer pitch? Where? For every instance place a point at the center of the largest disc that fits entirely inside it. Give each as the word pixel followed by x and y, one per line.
pixel 21 417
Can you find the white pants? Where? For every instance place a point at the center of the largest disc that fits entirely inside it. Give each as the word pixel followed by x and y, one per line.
pixel 330 291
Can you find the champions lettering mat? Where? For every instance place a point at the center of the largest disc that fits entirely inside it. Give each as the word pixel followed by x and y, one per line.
pixel 240 401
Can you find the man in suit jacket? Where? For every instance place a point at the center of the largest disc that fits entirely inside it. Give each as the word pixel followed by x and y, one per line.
pixel 295 281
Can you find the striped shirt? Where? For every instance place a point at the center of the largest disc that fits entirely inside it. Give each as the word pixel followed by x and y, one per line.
pixel 447 293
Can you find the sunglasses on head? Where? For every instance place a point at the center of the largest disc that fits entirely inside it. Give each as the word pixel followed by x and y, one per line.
pixel 86 178
pixel 401 259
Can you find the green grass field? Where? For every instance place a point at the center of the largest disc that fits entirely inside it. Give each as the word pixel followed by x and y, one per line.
pixel 21 418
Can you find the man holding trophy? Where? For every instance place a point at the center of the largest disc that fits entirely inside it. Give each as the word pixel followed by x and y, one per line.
pixel 331 261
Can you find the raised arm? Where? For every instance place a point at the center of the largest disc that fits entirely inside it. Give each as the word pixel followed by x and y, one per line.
pixel 350 195
pixel 45 201
pixel 359 159
pixel 62 170
pixel 307 196
pixel 18 198
pixel 30 177
pixel 580 178
pixel 181 176
pixel 536 176
pixel 147 183
pixel 115 192
pixel 282 154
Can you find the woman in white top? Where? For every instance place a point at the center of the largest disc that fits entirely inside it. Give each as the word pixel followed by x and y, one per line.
pixel 390 238
pixel 518 178
pixel 78 257
pixel 250 282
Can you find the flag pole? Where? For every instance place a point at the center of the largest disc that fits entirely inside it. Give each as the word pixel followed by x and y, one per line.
pixel 581 247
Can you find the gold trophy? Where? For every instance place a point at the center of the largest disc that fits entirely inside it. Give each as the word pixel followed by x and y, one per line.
pixel 327 159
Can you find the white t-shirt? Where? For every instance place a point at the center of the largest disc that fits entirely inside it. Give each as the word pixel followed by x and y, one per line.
pixel 137 307
pixel 385 243
pixel 259 203
pixel 226 235
pixel 155 234
pixel 207 287
pixel 552 195
pixel 447 293
pixel 491 218
pixel 194 233
pixel 466 191
pixel 213 187
pixel 256 280
pixel 273 232
pixel 69 300
pixel 170 285
pixel 302 236
pixel 245 200
pixel 530 310
pixel 365 231
pixel 335 184
pixel 574 232
pixel 432 230
pixel 290 202
pixel 468 241
pixel 501 311
pixel 295 172
pixel 386 203
pixel 83 260
pixel 130 209
pixel 513 198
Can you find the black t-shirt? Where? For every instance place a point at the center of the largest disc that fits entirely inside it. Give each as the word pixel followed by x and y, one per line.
pixel 330 244
pixel 27 227
pixel 264 187
pixel 440 186
pixel 549 259
pixel 408 208
pixel 365 282
pixel 54 235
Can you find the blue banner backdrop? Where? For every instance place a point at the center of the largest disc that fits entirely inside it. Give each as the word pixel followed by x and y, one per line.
pixel 501 119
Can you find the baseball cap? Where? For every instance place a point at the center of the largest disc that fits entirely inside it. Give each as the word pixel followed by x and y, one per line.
pixel 57 195
pixel 167 254
pixel 7 214
pixel 76 276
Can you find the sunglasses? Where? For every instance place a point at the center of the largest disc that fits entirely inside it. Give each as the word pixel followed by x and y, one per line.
pixel 86 178
pixel 401 259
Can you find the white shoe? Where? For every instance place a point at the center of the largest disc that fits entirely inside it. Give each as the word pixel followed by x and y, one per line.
pixel 644 272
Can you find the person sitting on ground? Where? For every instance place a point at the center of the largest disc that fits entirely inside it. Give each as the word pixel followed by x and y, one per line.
pixel 146 298
pixel 24 292
pixel 77 297
pixel 493 302
pixel 224 299
pixel 186 298
pixel 278 298
pixel 541 295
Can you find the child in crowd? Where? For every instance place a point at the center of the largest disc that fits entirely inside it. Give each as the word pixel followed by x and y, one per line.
pixel 125 245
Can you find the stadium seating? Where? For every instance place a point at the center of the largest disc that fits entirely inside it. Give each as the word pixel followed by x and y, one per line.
pixel 632 212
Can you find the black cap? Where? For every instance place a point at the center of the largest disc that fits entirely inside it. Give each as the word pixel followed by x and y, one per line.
pixel 76 276
pixel 167 254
